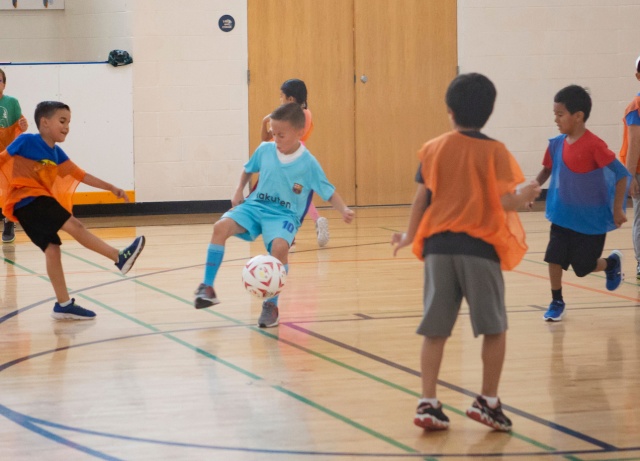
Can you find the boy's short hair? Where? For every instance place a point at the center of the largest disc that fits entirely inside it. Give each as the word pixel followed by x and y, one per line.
pixel 292 113
pixel 4 76
pixel 638 64
pixel 46 109
pixel 470 97
pixel 576 99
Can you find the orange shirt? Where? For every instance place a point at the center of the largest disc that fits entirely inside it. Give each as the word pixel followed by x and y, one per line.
pixel 633 106
pixel 21 178
pixel 467 177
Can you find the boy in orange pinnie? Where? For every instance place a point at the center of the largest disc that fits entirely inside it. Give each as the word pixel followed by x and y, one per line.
pixel 37 181
pixel 464 225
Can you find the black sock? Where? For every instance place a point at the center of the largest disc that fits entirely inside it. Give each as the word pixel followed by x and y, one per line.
pixel 556 295
pixel 611 263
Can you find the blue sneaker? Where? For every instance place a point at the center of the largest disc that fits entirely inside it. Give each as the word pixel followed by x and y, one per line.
pixel 72 312
pixel 555 311
pixel 128 256
pixel 615 276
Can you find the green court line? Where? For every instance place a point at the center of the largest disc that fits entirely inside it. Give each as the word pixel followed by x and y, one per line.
pixel 215 358
pixel 316 354
pixel 275 337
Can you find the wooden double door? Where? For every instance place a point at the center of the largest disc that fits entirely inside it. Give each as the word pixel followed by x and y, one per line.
pixel 376 72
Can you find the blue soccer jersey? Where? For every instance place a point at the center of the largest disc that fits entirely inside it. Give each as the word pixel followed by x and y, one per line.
pixel 287 187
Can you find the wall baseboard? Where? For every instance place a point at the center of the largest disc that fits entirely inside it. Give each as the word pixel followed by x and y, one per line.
pixel 151 208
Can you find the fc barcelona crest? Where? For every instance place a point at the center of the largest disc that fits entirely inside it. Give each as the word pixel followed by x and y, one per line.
pixel 297 188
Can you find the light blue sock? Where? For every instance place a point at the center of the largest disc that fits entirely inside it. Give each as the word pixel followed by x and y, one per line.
pixel 274 300
pixel 215 253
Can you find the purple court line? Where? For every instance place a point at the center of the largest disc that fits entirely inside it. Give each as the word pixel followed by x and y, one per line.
pixel 585 438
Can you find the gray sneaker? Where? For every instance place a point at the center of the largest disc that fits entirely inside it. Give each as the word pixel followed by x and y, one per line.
pixel 205 297
pixel 269 316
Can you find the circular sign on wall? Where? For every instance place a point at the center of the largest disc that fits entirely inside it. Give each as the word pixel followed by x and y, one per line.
pixel 226 23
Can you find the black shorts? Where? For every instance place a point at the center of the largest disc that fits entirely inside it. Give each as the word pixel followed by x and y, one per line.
pixel 41 220
pixel 568 247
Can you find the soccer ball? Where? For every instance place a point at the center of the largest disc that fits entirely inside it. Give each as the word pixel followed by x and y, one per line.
pixel 263 276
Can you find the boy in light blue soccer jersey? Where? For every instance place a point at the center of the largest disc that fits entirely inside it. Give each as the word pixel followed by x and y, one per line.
pixel 289 175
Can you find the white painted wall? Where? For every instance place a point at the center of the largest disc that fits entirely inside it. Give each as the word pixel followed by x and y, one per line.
pixel 533 48
pixel 190 96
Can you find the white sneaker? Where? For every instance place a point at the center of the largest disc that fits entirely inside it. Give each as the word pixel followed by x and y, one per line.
pixel 322 231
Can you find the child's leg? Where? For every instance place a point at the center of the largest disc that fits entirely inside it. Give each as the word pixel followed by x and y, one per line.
pixel 222 230
pixel 312 212
pixel 270 315
pixel 56 274
pixel 555 310
pixel 430 361
pixel 65 308
pixel 555 276
pixel 85 238
pixel 486 408
pixel 429 414
pixel 493 352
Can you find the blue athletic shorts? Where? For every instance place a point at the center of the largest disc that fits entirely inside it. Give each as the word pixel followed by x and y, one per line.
pixel 258 218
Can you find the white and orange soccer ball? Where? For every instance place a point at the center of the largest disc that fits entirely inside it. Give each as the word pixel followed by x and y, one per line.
pixel 263 276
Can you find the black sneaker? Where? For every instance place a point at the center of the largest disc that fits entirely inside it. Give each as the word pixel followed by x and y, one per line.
pixel 493 417
pixel 638 272
pixel 9 231
pixel 429 417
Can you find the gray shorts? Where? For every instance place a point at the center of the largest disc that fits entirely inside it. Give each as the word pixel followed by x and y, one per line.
pixel 449 278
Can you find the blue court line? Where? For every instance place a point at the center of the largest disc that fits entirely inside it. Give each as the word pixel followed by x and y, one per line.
pixel 456 388
pixel 65 63
pixel 33 423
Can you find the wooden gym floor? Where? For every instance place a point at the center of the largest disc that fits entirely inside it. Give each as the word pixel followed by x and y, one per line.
pixel 153 379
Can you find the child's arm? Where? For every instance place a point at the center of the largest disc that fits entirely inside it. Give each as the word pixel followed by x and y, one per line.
pixel 337 203
pixel 98 183
pixel 23 124
pixel 526 195
pixel 619 217
pixel 540 179
pixel 543 175
pixel 633 156
pixel 266 134
pixel 418 207
pixel 238 196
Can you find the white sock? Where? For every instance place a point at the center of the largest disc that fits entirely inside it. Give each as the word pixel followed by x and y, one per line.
pixel 491 401
pixel 65 304
pixel 431 401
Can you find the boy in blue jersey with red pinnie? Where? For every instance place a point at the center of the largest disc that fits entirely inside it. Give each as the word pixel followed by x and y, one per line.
pixel 585 199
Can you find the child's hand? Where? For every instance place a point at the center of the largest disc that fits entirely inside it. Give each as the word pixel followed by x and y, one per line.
pixel 347 215
pixel 619 218
pixel 237 198
pixel 120 194
pixel 530 192
pixel 399 240
pixel 22 124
